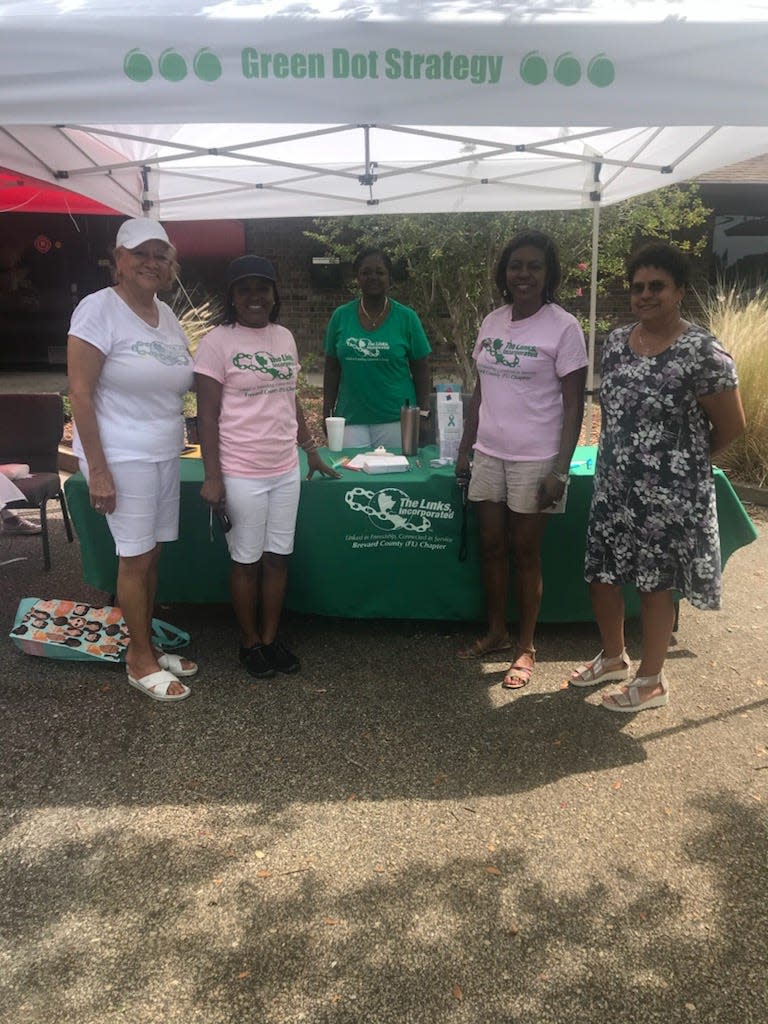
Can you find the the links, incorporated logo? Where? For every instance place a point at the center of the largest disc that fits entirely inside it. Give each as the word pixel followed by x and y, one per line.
pixel 172 66
pixel 367 348
pixel 389 509
pixel 393 64
pixel 168 355
pixel 567 69
pixel 279 367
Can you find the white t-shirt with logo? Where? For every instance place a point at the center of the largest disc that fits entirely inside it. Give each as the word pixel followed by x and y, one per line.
pixel 257 368
pixel 520 364
pixel 145 373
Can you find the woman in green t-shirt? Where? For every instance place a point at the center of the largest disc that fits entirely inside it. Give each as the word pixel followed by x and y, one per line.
pixel 375 359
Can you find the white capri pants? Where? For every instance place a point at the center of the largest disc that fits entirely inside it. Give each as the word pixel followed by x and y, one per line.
pixel 263 514
pixel 147 509
pixel 373 435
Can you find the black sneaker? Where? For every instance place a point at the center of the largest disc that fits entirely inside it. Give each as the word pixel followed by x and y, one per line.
pixel 281 658
pixel 257 661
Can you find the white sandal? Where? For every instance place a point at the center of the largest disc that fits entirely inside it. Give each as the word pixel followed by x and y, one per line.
pixel 595 671
pixel 631 701
pixel 172 662
pixel 156 684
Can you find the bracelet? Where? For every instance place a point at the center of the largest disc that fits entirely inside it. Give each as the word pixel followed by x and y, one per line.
pixel 424 413
pixel 561 477
pixel 309 446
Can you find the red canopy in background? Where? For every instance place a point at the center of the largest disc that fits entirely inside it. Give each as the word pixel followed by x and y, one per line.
pixel 215 239
pixel 206 240
pixel 21 194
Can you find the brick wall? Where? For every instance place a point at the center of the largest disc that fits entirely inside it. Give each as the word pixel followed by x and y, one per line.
pixel 305 309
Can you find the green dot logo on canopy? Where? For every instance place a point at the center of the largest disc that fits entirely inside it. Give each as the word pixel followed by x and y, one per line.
pixel 533 68
pixel 601 71
pixel 137 66
pixel 172 65
pixel 206 65
pixel 567 69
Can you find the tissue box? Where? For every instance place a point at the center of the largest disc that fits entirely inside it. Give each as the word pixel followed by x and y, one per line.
pixel 450 423
pixel 386 464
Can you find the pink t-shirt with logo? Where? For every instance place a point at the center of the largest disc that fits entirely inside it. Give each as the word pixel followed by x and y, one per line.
pixel 257 368
pixel 520 363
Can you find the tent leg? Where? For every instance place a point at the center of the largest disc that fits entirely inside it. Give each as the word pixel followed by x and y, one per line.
pixel 592 312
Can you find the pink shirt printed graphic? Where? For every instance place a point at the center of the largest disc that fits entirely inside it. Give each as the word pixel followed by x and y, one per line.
pixel 520 364
pixel 257 368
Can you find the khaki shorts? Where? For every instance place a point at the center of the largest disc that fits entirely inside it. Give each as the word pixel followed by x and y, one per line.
pixel 514 483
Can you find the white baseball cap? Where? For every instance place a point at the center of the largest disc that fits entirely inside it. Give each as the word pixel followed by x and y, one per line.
pixel 133 233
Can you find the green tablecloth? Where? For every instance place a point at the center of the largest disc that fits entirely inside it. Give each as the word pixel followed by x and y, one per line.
pixel 379 546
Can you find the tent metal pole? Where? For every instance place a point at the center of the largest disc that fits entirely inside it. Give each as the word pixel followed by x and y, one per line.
pixel 146 203
pixel 595 197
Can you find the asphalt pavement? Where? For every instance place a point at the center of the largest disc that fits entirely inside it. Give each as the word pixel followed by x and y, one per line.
pixel 387 837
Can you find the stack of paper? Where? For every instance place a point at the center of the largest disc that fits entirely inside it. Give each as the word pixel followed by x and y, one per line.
pixel 385 464
pixel 14 470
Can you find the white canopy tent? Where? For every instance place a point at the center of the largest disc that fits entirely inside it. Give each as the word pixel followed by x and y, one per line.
pixel 187 109
pixel 327 107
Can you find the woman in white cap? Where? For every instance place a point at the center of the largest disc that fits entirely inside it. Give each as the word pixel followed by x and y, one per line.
pixel 128 366
pixel 250 421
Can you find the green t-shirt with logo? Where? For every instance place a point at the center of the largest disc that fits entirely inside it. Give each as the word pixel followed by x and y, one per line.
pixel 375 373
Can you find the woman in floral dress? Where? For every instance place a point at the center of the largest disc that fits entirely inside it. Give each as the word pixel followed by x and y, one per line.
pixel 670 401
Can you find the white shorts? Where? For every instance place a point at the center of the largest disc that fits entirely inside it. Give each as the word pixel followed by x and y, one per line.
pixel 263 514
pixel 147 509
pixel 371 435
pixel 515 483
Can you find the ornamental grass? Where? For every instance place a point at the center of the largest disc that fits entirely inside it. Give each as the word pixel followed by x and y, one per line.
pixel 738 318
pixel 197 318
pixel 198 313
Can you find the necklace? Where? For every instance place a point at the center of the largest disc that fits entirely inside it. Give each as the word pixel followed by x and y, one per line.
pixel 645 346
pixel 375 320
pixel 145 312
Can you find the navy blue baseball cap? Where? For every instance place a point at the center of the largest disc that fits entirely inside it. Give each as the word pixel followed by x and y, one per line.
pixel 250 266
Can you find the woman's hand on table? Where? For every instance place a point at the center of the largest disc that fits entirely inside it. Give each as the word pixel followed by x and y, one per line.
pixel 213 493
pixel 550 491
pixel 316 465
pixel 101 489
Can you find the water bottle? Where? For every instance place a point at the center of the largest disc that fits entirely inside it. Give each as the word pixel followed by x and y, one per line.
pixel 410 418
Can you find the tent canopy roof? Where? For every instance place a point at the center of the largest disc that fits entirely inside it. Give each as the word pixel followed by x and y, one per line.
pixel 211 110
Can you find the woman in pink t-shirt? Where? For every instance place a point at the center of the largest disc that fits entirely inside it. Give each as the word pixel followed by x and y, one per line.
pixel 250 421
pixel 523 423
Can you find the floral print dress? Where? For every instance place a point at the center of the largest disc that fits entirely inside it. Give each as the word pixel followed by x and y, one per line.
pixel 653 520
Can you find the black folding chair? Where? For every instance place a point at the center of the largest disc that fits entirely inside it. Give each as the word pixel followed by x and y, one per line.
pixel 31 427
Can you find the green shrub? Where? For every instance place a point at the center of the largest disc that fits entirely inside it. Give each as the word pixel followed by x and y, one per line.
pixel 739 319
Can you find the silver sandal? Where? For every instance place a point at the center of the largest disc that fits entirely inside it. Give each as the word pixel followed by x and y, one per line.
pixel 631 701
pixel 595 671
